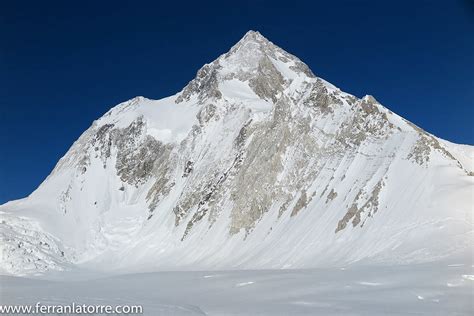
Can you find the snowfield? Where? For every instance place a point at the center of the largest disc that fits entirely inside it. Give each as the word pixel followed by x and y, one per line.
pixel 421 289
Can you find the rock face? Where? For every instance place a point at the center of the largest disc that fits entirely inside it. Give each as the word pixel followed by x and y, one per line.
pixel 256 163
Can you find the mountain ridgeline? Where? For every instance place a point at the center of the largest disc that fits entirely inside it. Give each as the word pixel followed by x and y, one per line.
pixel 256 163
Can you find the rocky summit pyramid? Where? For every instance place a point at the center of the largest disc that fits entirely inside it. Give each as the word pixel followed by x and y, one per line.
pixel 256 163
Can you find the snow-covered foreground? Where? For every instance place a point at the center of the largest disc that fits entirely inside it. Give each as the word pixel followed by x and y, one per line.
pixel 430 289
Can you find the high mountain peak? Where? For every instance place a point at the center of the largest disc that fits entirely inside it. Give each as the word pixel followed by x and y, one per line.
pixel 254 36
pixel 266 166
pixel 254 60
pixel 254 41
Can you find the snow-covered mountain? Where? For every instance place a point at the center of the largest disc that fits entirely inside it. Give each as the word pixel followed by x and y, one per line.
pixel 256 163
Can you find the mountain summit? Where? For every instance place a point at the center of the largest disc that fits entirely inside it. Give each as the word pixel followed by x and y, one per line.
pixel 256 163
pixel 268 69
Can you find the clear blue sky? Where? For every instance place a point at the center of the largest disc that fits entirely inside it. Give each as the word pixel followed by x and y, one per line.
pixel 62 65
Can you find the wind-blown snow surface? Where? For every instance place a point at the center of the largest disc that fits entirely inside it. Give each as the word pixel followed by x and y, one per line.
pixel 433 289
pixel 256 164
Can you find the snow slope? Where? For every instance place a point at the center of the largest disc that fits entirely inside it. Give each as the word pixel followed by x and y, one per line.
pixel 256 164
